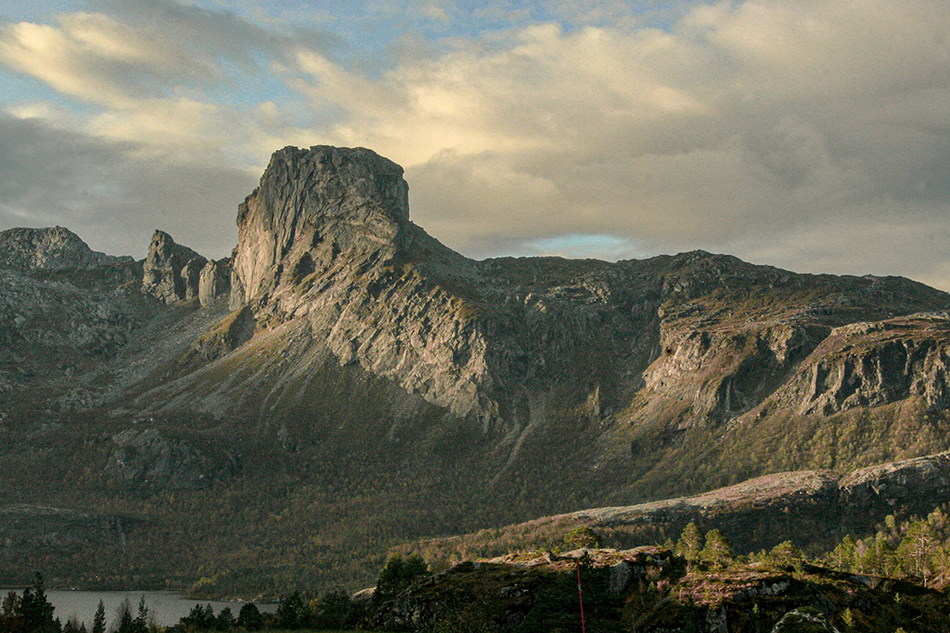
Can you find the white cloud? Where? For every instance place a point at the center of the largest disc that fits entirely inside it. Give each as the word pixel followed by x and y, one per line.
pixel 97 59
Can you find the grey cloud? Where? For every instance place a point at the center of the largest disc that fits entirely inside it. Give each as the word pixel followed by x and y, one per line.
pixel 215 33
pixel 112 199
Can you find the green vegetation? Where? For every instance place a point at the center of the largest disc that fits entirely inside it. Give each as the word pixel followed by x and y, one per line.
pixel 876 583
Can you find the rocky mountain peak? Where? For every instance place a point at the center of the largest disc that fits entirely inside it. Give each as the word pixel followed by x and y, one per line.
pixel 171 271
pixel 54 248
pixel 311 206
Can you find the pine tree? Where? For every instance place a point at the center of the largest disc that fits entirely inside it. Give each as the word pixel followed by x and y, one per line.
pixel 10 619
pixel 35 610
pixel 842 557
pixel 124 617
pixel 397 575
pixel 786 553
pixel 690 545
pixel 917 549
pixel 225 620
pixel 718 549
pixel 582 537
pixel 99 621
pixel 140 623
pixel 291 612
pixel 250 618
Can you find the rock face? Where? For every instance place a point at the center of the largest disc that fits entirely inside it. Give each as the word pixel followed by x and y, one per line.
pixel 172 272
pixel 327 238
pixel 214 281
pixel 149 459
pixel 874 364
pixel 645 356
pixel 50 249
pixel 312 205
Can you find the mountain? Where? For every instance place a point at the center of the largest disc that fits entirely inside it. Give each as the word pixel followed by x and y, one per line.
pixel 344 382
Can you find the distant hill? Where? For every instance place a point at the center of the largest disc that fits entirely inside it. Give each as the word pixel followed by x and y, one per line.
pixel 344 383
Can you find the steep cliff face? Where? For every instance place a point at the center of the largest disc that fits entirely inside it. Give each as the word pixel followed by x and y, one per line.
pixel 873 364
pixel 326 239
pixel 689 352
pixel 311 207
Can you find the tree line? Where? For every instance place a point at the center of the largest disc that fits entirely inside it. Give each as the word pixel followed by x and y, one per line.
pixel 915 549
pixel 32 611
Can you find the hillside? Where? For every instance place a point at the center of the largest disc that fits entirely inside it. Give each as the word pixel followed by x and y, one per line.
pixel 344 382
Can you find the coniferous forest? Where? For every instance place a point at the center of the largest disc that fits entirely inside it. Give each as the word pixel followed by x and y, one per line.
pixel 880 581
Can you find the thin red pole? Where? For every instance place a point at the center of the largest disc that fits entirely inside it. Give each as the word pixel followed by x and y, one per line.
pixel 580 596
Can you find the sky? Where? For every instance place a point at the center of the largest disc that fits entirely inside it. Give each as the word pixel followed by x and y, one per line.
pixel 811 135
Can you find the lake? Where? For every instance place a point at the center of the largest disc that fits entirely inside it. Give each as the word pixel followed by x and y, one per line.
pixel 166 607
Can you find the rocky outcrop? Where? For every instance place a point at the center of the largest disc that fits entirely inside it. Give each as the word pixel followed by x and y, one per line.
pixel 172 272
pixel 149 459
pixel 50 249
pixel 523 592
pixel 915 485
pixel 311 207
pixel 326 239
pixel 873 364
pixel 214 281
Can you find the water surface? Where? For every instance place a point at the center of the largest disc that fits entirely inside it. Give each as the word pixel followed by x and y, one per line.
pixel 166 607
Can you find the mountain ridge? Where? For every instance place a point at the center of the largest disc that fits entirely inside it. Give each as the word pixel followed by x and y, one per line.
pixel 352 358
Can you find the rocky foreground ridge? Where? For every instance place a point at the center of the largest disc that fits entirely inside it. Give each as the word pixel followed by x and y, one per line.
pixel 350 356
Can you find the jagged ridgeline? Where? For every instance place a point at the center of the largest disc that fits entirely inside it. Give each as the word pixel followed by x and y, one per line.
pixel 344 382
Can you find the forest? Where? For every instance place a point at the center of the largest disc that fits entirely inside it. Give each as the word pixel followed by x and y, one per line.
pixel 894 579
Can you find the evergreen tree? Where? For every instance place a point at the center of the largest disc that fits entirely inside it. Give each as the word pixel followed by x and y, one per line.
pixel 414 567
pixel 786 553
pixel 140 623
pixel 582 536
pixel 10 620
pixel 690 545
pixel 292 613
pixel 718 549
pixel 36 612
pixel 99 621
pixel 334 610
pixel 916 551
pixel 875 557
pixel 397 575
pixel 124 618
pixel 200 617
pixel 225 620
pixel 250 618
pixel 842 557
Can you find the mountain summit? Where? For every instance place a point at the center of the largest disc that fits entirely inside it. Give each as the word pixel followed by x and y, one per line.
pixel 346 377
pixel 311 206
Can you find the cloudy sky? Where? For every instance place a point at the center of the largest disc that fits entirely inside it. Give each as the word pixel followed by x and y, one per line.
pixel 812 135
